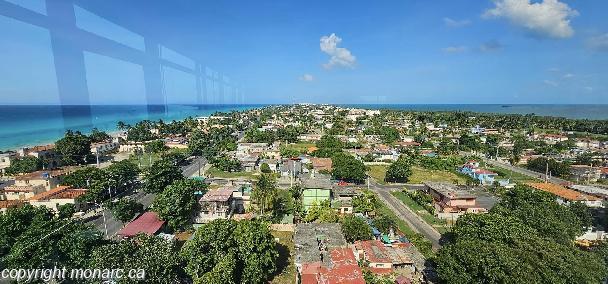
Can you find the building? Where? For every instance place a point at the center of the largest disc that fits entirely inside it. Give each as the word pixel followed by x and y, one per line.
pixel 322 255
pixel 485 177
pixel 585 173
pixel 566 196
pixel 5 161
pixel 216 204
pixel 7 204
pixel 316 190
pixel 45 179
pixel 104 147
pixel 57 197
pixel 242 198
pixel 591 190
pixel 148 223
pixel 46 153
pixel 450 201
pixel 382 259
pixel 176 142
pixel 321 164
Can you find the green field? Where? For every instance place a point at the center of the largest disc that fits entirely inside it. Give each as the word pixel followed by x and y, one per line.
pixel 437 223
pixel 144 160
pixel 419 175
pixel 515 177
pixel 301 147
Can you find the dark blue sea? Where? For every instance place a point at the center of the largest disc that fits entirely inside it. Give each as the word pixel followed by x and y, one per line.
pixel 38 124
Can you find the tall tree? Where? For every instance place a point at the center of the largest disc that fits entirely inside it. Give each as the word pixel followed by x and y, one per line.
pixel 177 203
pixel 161 174
pixel 265 192
pixel 74 148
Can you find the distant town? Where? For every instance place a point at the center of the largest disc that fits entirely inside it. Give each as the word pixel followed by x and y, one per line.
pixel 311 193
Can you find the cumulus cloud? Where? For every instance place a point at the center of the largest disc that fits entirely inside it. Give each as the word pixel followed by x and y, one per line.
pixel 549 18
pixel 598 43
pixel 339 56
pixel 489 46
pixel 454 49
pixel 568 76
pixel 451 23
pixel 306 77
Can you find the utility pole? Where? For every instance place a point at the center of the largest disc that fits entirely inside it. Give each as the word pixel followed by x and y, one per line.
pixel 546 172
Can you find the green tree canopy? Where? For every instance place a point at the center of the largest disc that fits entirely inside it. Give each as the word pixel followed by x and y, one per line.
pixel 347 168
pixel 177 203
pixel 74 148
pixel 226 251
pixel 125 209
pixel 355 229
pixel 25 164
pixel 161 174
pixel 398 171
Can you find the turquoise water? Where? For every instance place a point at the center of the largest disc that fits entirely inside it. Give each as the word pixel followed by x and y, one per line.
pixel 39 124
pixel 32 125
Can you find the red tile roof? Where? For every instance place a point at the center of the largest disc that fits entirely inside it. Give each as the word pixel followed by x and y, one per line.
pixel 344 270
pixel 148 223
pixel 61 192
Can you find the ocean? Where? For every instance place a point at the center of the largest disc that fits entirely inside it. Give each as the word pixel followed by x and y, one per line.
pixel 30 125
pixel 40 124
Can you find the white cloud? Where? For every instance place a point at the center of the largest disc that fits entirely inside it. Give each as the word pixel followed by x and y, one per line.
pixel 306 77
pixel 492 45
pixel 550 83
pixel 598 43
pixel 451 23
pixel 589 89
pixel 454 49
pixel 553 69
pixel 568 76
pixel 339 56
pixel 549 18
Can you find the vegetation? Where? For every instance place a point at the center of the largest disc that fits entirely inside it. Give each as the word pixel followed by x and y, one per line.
pixel 347 168
pixel 556 168
pixel 265 192
pixel 399 171
pixel 526 238
pixel 161 174
pixel 177 202
pixel 25 164
pixel 74 148
pixel 226 251
pixel 125 209
pixel 355 229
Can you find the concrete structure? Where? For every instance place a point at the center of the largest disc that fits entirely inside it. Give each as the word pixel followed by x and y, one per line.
pixel 383 259
pixel 322 255
pixel 5 161
pixel 316 191
pixel 566 196
pixel 321 164
pixel 591 190
pixel 216 204
pixel 44 152
pixel 46 179
pixel 485 177
pixel 450 201
pixel 102 148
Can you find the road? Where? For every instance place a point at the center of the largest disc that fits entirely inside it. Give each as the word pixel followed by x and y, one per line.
pixel 113 225
pixel 526 172
pixel 406 214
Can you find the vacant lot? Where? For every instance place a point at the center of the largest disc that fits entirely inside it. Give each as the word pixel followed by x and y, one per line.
pixel 286 270
pixel 419 175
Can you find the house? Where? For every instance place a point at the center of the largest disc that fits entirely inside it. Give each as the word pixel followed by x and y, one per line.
pixel 484 176
pixel 553 138
pixel 242 198
pixel 101 148
pixel 273 164
pixel 321 164
pixel 342 199
pixel 291 167
pixel 585 173
pixel 132 146
pixel 44 152
pixel 58 196
pixel 176 142
pixel 216 204
pixel 450 201
pixel 148 223
pixel 45 179
pixel 566 196
pixel 382 259
pixel 7 204
pixel 5 160
pixel 251 148
pixel 591 190
pixel 248 162
pixel 316 190
pixel 322 255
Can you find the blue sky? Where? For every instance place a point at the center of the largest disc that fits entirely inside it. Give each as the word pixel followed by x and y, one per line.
pixel 467 51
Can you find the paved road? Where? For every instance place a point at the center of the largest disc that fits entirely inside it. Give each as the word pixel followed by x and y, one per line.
pixel 193 168
pixel 113 225
pixel 410 217
pixel 526 172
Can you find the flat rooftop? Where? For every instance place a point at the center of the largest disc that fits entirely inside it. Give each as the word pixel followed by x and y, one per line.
pixel 449 190
pixel 318 181
pixel 307 237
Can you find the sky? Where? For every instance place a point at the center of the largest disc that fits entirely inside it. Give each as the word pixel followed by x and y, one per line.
pixel 286 51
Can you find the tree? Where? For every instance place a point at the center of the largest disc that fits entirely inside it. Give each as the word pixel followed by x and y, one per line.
pixel 177 203
pixel 141 132
pixel 122 174
pixel 156 146
pixel 226 251
pixel 265 192
pixel 125 209
pixel 388 134
pixel 347 168
pixel 66 210
pixel 329 142
pixel 355 229
pixel 399 171
pixel 98 136
pixel 365 202
pixel 161 174
pixel 583 213
pixel 25 164
pixel 155 256
pixel 265 168
pixel 384 223
pixel 74 148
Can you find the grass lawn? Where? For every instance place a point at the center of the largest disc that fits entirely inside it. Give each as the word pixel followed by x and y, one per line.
pixel 286 270
pixel 420 175
pixel 378 172
pixel 214 172
pixel 300 147
pixel 437 223
pixel 515 177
